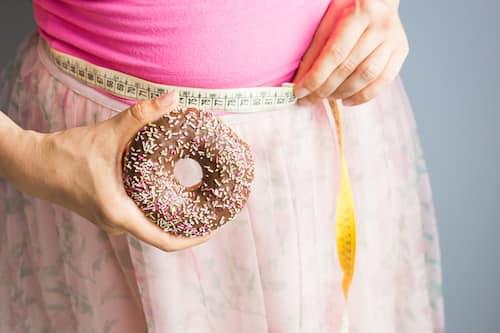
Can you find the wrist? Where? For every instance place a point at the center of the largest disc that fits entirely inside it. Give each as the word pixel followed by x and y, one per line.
pixel 9 136
pixel 20 149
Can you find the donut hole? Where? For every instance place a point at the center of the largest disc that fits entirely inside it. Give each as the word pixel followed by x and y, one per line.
pixel 188 173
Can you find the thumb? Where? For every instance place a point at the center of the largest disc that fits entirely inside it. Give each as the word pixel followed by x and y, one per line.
pixel 131 120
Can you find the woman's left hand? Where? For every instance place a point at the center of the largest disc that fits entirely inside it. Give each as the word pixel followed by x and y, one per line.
pixel 358 49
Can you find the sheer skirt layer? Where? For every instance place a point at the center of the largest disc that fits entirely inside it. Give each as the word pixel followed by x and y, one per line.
pixel 274 269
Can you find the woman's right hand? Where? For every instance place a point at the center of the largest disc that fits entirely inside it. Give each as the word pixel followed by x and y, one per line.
pixel 80 169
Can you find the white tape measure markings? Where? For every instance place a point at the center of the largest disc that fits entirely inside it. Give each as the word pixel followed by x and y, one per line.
pixel 127 86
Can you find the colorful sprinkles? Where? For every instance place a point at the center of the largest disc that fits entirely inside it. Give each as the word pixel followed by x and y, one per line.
pixel 225 159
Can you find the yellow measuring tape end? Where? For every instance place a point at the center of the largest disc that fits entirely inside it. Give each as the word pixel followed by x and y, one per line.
pixel 345 219
pixel 345 228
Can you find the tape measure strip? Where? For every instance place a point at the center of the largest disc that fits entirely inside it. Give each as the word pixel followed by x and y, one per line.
pixel 123 85
pixel 345 219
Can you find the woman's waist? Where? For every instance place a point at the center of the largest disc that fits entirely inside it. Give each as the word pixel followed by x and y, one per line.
pixel 128 88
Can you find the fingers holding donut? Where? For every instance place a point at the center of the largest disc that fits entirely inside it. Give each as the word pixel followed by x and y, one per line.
pixel 121 213
pixel 156 137
pixel 80 169
pixel 132 220
pixel 128 122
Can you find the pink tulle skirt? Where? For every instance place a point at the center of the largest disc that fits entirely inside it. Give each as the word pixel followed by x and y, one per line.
pixel 273 269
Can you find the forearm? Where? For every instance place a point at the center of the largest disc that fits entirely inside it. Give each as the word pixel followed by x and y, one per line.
pixel 8 133
pixel 17 148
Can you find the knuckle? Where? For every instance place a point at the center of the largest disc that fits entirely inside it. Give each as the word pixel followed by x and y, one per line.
pixel 370 72
pixel 346 11
pixel 385 79
pixel 365 96
pixel 313 82
pixel 347 67
pixel 373 8
pixel 347 91
pixel 377 9
pixel 322 93
pixel 380 14
pixel 336 54
pixel 136 112
pixel 154 104
pixel 388 23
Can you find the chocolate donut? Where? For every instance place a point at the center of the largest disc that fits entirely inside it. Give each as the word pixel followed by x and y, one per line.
pixel 184 135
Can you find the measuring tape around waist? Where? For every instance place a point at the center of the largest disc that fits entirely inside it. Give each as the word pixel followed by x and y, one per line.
pixel 233 100
pixel 127 86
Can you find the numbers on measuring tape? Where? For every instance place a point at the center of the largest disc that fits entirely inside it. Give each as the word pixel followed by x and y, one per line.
pixel 124 85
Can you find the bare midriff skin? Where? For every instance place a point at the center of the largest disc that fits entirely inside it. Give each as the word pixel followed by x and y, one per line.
pixel 358 49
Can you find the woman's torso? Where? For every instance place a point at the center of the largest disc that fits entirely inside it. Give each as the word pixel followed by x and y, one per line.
pixel 199 43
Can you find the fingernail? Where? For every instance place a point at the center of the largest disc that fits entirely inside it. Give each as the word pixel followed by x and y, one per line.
pixel 301 92
pixel 168 99
pixel 304 102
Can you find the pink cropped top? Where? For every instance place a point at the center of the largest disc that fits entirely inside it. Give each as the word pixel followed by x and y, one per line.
pixel 195 43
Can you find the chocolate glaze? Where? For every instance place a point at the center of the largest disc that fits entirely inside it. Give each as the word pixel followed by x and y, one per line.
pixel 226 161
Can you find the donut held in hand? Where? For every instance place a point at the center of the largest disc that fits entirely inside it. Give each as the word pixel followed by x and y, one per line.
pixel 188 172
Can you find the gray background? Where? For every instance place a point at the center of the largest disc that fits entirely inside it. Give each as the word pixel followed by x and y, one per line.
pixel 452 77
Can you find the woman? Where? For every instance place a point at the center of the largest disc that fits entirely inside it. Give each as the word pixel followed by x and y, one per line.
pixel 274 268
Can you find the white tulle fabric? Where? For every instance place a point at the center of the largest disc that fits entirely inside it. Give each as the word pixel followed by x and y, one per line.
pixel 274 269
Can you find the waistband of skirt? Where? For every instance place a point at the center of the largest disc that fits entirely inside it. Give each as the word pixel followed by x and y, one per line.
pixel 93 80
